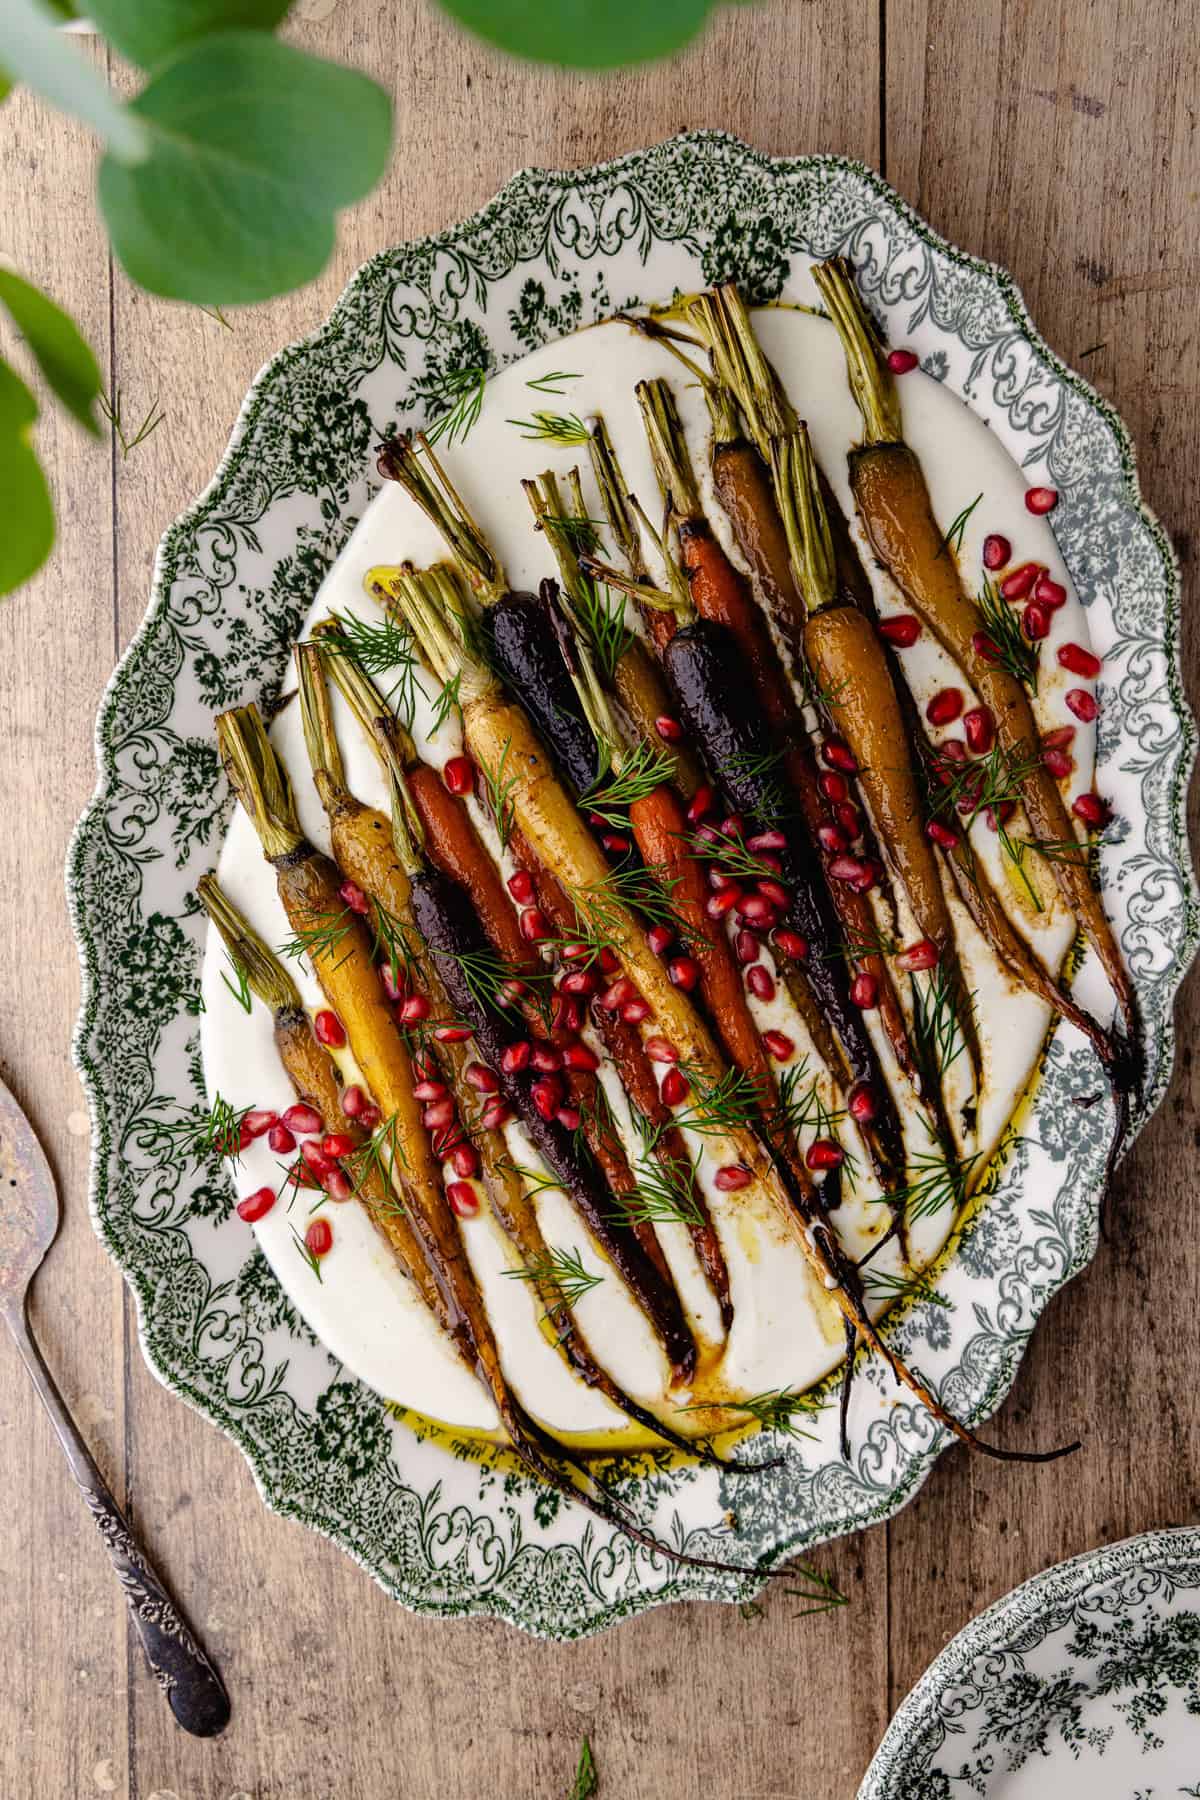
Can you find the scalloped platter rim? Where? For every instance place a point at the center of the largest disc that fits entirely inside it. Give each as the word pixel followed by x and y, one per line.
pixel 442 1531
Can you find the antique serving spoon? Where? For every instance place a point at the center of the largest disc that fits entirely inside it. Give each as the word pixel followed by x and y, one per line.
pixel 28 1222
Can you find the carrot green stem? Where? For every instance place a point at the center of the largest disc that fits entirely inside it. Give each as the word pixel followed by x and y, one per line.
pixel 433 606
pixel 260 781
pixel 370 709
pixel 741 367
pixel 871 380
pixel 316 717
pixel 615 499
pixel 668 451
pixel 805 519
pixel 424 479
pixel 263 970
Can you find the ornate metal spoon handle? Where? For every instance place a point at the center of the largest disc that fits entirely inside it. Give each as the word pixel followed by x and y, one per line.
pixel 193 1688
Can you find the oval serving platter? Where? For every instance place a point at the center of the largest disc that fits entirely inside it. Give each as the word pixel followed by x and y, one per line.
pixel 1088 1674
pixel 442 1531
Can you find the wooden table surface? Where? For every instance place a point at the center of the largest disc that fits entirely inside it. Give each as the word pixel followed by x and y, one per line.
pixel 1059 139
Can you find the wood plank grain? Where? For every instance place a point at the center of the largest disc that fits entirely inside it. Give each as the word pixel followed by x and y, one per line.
pixel 1060 141
pixel 62 1719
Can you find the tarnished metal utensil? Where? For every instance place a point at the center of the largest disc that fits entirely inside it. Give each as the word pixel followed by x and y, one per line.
pixel 28 1223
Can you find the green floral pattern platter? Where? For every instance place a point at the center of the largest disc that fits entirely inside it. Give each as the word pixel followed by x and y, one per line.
pixel 1085 1679
pixel 441 1531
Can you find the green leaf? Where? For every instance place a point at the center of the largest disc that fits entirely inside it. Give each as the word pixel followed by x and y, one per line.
pixel 148 34
pixel 54 340
pixel 25 504
pixel 35 51
pixel 6 87
pixel 254 147
pixel 583 34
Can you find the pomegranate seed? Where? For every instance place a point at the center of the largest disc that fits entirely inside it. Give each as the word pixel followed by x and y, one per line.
pixel 281 1140
pixel 453 1034
pixel 832 785
pixel 702 803
pixel 579 981
pixel 572 1014
pixel 569 1117
pixel 353 1101
pixel 391 986
pixel 675 1087
pixel 437 1115
pixel 329 1029
pixel 338 1143
pixel 597 821
pixel 659 938
pixel 779 1044
pixel 413 1010
pixel 684 972
pixel 902 362
pixel 792 944
pixel 481 1078
pixel 463 1198
pixel 760 982
pixel 1061 738
pixel 369 1117
pixel 319 1237
pixel 774 891
pixel 495 1114
pixel 1020 583
pixel 979 728
pixel 1090 808
pixel 766 841
pixel 1041 500
pixel 734 826
pixel 661 1050
pixel 303 1120
pixel 520 886
pixel 1079 661
pixel 613 840
pixel 731 1177
pixel 846 814
pixel 464 1160
pixel 534 926
pixel 613 998
pixel 945 706
pixel 997 551
pixel 847 868
pixel 459 775
pixel 861 1103
pixel 831 839
pixel 354 897
pixel 985 646
pixel 245 1139
pixel 864 991
pixel 1085 706
pixel 921 955
pixel 430 1090
pixel 575 952
pixel 635 1012
pixel 668 728
pixel 516 1057
pixel 717 905
pixel 1035 622
pixel 547 1095
pixel 708 834
pixel 337 1185
pixel 1050 594
pixel 823 1153
pixel 746 947
pixel 720 879
pixel 756 908
pixel 581 1058
pixel 546 1058
pixel 1059 763
pixel 315 1158
pixel 256 1205
pixel 610 962
pixel 945 835
pixel 259 1122
pixel 425 1064
pixel 839 756
pixel 510 991
pixel 953 750
pixel 903 630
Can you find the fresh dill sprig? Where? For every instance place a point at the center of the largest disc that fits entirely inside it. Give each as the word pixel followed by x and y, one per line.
pixel 448 701
pixel 825 699
pixel 1013 650
pixel 857 949
pixel 986 782
pixel 751 764
pixel 602 615
pixel 535 1182
pixel 111 409
pixel 499 791
pixel 774 802
pixel 1051 850
pixel 612 794
pixel 934 1181
pixel 733 1102
pixel 937 1038
pixel 564 1268
pixel 392 944
pixel 953 540
pixel 553 428
pixel 241 992
pixel 550 384
pixel 775 1410
pixel 582 533
pixel 730 855
pixel 462 392
pixel 880 1285
pixel 587 1777
pixel 384 651
pixel 216 1132
pixel 600 906
pixel 800 1108
pixel 377 1158
pixel 486 975
pixel 314 1262
pixel 321 937
pixel 665 1191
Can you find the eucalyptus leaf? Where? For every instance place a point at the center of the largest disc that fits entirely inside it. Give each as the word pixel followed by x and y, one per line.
pixel 54 340
pixel 583 34
pixel 254 146
pixel 35 51
pixel 148 33
pixel 25 505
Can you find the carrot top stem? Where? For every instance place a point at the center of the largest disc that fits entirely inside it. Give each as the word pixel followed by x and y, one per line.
pixel 668 451
pixel 616 500
pixel 805 519
pixel 422 476
pixel 741 366
pixel 433 605
pixel 260 781
pixel 316 717
pixel 267 977
pixel 338 661
pixel 871 381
